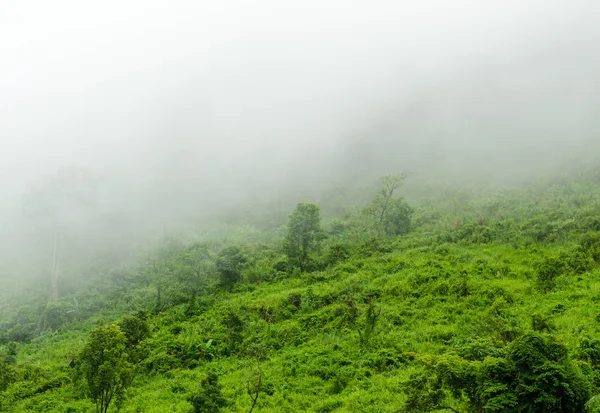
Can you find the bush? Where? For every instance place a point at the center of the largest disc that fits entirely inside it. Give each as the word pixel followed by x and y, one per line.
pixel 230 262
pixel 338 252
pixel 541 323
pixel 209 399
pixel 536 375
pixel 135 327
pixel 55 315
pixel 547 271
pixel 545 379
pixel 304 234
pixel 7 375
pixel 397 217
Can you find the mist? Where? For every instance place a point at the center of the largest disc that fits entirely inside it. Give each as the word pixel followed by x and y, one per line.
pixel 184 109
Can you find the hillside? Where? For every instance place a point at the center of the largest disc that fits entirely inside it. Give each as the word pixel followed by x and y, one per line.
pixel 483 301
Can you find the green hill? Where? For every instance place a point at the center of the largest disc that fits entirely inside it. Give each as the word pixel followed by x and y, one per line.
pixel 465 301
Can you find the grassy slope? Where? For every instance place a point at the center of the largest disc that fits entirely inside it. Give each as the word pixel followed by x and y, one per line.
pixel 467 274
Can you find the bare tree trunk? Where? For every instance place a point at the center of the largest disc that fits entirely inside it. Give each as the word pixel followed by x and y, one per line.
pixel 279 214
pixel 55 266
pixel 254 388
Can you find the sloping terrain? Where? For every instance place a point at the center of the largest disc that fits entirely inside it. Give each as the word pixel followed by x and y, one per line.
pixel 490 303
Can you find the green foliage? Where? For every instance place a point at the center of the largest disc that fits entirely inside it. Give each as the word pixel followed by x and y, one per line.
pixel 547 272
pixel 589 351
pixel 424 393
pixel 370 321
pixel 546 379
pixel 7 375
pixel 535 376
pixel 235 328
pixel 54 316
pixel 209 399
pixel 135 327
pixel 136 330
pixel 337 252
pixel 230 263
pixel 541 323
pixel 390 216
pixel 105 366
pixel 593 405
pixel 590 243
pixel 464 310
pixel 194 267
pixel 573 262
pixel 397 217
pixel 304 234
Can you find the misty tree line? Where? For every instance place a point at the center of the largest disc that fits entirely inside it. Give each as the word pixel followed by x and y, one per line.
pixel 58 206
pixel 107 364
pixel 76 226
pixel 64 209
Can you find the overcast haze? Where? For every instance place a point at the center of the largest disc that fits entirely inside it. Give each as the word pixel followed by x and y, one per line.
pixel 186 100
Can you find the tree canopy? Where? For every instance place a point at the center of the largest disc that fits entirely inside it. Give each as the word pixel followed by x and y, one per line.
pixel 105 366
pixel 304 234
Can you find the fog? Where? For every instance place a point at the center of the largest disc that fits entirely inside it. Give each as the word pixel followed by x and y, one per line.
pixel 181 109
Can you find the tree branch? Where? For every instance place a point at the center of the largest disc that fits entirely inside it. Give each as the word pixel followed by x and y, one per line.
pixel 256 388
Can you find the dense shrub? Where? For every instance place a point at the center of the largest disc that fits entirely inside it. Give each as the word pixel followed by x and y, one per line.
pixel 547 272
pixel 7 375
pixel 135 327
pixel 209 398
pixel 230 263
pixel 535 376
pixel 337 252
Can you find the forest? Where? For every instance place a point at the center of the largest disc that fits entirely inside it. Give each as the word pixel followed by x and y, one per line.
pixel 466 301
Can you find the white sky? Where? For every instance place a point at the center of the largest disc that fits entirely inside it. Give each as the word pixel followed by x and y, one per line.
pixel 113 82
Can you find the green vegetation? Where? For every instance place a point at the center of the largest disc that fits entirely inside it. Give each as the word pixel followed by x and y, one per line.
pixel 467 302
pixel 209 399
pixel 105 366
pixel 230 263
pixel 303 236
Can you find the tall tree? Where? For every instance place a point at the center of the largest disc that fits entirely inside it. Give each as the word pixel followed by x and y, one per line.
pixel 195 267
pixel 229 265
pixel 58 205
pixel 304 234
pixel 391 215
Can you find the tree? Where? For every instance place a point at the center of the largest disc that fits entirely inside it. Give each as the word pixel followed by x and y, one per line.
pixel 194 266
pixel 255 384
pixel 397 217
pixel 105 366
pixel 304 234
pixel 209 399
pixel 136 330
pixel 390 215
pixel 59 204
pixel 7 375
pixel 230 262
pixel 159 271
pixel 135 327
